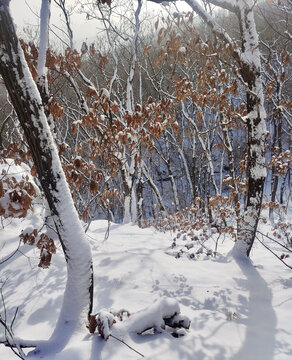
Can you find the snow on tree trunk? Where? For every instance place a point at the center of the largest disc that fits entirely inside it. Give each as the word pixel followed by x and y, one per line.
pixel 139 192
pixel 42 81
pixel 127 209
pixel 128 171
pixel 44 25
pixel 130 93
pixel 256 127
pixel 248 59
pixel 130 201
pixel 77 302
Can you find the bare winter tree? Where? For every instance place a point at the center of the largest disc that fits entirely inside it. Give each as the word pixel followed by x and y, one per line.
pixel 28 104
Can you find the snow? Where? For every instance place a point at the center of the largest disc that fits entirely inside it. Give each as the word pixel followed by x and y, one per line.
pixel 239 309
pixel 105 93
pixel 17 171
pixel 153 316
pixel 182 50
pixel 44 34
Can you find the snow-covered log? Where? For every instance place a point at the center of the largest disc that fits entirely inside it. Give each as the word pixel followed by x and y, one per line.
pixel 163 313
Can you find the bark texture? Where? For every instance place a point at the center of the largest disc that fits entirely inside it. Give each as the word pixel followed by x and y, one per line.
pixel 25 97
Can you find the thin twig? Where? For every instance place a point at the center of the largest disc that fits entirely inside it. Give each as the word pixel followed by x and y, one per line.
pixel 3 302
pixel 10 256
pixel 8 330
pixel 278 257
pixel 106 235
pixel 126 345
pixel 21 355
pixel 14 317
pixel 276 241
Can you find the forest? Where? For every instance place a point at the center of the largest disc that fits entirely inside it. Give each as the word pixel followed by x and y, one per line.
pixel 145 180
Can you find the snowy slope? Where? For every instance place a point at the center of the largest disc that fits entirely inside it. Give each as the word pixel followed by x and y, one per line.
pixel 238 310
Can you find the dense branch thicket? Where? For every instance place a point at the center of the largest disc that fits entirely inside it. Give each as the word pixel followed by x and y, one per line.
pixel 150 124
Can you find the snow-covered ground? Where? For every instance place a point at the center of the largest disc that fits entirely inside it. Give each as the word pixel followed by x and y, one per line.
pixel 238 310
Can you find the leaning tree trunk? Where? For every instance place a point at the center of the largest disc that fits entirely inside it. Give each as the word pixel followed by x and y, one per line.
pixel 77 302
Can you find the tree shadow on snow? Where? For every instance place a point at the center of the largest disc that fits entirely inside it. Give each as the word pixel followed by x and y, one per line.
pixel 96 348
pixel 259 342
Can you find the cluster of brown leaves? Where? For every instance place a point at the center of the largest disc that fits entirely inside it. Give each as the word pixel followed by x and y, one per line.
pixel 192 232
pixel 106 198
pixel 104 320
pixel 173 45
pixel 102 59
pixel 54 108
pixel 44 243
pixel 192 219
pixel 15 152
pixel 17 196
pixel 16 199
pixel 210 85
pixel 193 225
pixel 275 206
pixel 77 171
pixel 280 161
pixel 31 56
pixel 282 232
pixel 111 135
pixel 238 181
pixel 70 61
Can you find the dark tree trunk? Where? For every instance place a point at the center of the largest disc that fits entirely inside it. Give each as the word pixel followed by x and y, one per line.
pixel 28 105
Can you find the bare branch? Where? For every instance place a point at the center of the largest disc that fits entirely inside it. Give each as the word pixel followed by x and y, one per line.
pixel 216 28
pixel 62 6
pixel 277 242
pixel 225 4
pixel 11 255
pixel 130 347
pixel 278 257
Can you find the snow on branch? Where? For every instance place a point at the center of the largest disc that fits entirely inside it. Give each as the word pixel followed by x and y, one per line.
pixel 216 28
pixel 16 342
pixel 230 5
pixel 162 1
